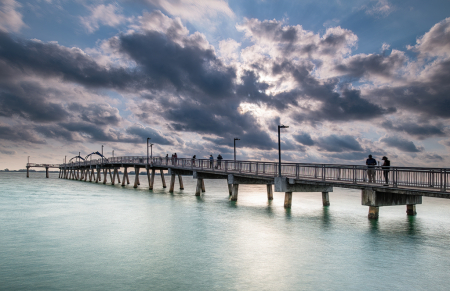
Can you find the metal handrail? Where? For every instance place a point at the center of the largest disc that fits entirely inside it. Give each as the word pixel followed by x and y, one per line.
pixel 416 177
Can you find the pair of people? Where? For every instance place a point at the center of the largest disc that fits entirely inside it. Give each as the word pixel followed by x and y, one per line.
pixel 371 163
pixel 219 161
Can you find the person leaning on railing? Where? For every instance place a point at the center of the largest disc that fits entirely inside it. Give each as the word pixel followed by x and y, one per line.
pixel 371 163
pixel 386 168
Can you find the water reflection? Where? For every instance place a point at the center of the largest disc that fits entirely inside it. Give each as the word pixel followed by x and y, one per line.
pixel 326 219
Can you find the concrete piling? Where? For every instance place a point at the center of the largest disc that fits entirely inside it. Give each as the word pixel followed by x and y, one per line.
pixel 269 192
pixel 172 183
pixel 46 172
pixel 125 176
pixel 325 199
pixel 152 180
pixel 203 185
pixel 198 189
pixel 163 179
pixel 287 199
pixel 136 178
pixel 411 210
pixel 180 180
pixel 230 189
pixel 373 212
pixel 235 192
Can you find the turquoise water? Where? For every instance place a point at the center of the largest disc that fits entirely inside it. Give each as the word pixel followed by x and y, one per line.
pixel 60 234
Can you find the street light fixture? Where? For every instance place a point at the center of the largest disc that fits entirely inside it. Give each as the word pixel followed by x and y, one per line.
pixel 235 139
pixel 28 159
pixel 151 152
pixel 279 149
pixel 102 154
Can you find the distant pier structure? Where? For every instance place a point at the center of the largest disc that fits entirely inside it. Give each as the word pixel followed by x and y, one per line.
pixel 406 185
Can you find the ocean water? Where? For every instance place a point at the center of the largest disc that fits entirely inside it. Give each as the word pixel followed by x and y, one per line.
pixel 58 234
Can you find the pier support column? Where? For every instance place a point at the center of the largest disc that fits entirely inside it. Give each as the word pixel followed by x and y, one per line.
pixel 235 192
pixel 172 183
pixel 113 180
pixel 287 199
pixel 97 179
pixel 118 175
pixel 105 175
pixel 28 172
pixel 125 176
pixel 198 189
pixel 269 192
pixel 373 212
pixel 110 176
pixel 203 185
pixel 325 199
pixel 91 174
pixel 136 177
pixel 86 174
pixel 152 180
pixel 230 189
pixel 162 179
pixel 411 209
pixel 180 180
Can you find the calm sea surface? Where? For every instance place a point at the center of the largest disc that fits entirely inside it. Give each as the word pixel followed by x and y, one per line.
pixel 60 234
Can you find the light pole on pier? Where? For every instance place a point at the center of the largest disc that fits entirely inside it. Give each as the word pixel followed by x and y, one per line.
pixel 102 154
pixel 113 153
pixel 279 149
pixel 28 159
pixel 65 159
pixel 235 139
pixel 151 152
pixel 148 138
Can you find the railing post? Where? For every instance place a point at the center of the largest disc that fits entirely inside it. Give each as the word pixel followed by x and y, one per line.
pixel 226 166
pixel 354 174
pixel 297 171
pixel 323 172
pixel 394 177
pixel 256 170
pixel 264 168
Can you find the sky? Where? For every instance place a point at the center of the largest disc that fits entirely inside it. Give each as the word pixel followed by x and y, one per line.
pixel 349 78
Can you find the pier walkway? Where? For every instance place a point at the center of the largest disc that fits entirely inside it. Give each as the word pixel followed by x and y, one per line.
pixel 406 185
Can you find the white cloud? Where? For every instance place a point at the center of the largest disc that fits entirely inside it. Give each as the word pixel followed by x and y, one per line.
pixel 436 42
pixel 103 14
pixel 194 10
pixel 10 19
pixel 381 8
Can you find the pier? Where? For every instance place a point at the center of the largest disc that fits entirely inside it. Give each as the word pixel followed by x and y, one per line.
pixel 407 185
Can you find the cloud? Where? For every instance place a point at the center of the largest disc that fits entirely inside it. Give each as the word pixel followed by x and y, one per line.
pixel 144 132
pixel 194 10
pixel 336 143
pixel 19 134
pixel 381 8
pixel 276 39
pixel 304 139
pixel 434 157
pixel 436 42
pixel 412 128
pixel 29 100
pixel 10 18
pixel 98 114
pixel 372 65
pixel 401 144
pixel 102 14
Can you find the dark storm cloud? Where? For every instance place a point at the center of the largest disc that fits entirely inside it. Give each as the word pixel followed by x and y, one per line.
pixel 19 134
pixel 336 143
pixel 187 68
pixel 401 144
pixel 28 100
pixel 52 60
pixel 144 132
pixel 56 131
pixel 434 157
pixel 421 131
pixel 98 114
pixel 374 64
pixel 304 139
pixel 354 156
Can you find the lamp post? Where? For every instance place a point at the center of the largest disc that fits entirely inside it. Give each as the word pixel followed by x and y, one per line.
pixel 279 149
pixel 151 152
pixel 65 159
pixel 102 153
pixel 235 139
pixel 28 159
pixel 148 138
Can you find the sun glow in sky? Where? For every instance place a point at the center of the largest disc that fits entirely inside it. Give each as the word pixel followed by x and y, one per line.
pixel 350 78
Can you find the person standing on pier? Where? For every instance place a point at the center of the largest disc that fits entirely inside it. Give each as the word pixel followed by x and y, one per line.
pixel 219 161
pixel 211 161
pixel 371 163
pixel 193 160
pixel 386 165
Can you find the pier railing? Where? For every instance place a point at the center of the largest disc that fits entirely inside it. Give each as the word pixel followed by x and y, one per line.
pixel 411 177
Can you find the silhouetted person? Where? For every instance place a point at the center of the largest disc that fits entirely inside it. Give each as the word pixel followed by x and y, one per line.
pixel 371 163
pixel 386 168
pixel 211 161
pixel 167 159
pixel 219 161
pixel 193 160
